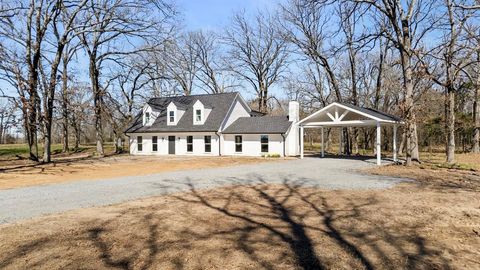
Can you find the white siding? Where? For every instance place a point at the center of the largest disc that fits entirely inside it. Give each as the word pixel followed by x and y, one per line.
pixel 251 145
pixel 180 144
pixel 292 141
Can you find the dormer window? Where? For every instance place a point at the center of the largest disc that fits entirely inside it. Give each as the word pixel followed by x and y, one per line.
pixel 174 114
pixel 200 113
pixel 171 116
pixel 147 118
pixel 198 116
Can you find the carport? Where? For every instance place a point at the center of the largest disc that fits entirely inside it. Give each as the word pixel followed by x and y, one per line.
pixel 346 115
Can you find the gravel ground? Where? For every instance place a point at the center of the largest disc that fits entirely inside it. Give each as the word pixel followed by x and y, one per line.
pixel 22 203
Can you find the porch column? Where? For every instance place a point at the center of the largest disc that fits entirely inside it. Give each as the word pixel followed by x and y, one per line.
pixel 301 142
pixel 395 143
pixel 323 145
pixel 378 142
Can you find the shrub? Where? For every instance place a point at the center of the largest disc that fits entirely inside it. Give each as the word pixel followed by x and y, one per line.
pixel 273 155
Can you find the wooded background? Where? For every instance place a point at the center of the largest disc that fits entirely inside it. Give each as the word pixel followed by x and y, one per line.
pixel 78 71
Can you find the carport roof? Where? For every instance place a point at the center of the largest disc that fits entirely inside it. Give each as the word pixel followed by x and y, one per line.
pixel 342 114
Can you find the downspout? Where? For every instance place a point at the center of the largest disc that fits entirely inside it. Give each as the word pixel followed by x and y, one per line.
pixel 219 144
pixel 283 136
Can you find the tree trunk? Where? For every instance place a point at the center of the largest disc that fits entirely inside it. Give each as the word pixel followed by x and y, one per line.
pixel 410 121
pixel 76 128
pixel 476 112
pixel 65 147
pixel 450 124
pixel 32 128
pixel 97 104
pixel 328 143
pixel 115 142
pixel 355 141
pixel 346 141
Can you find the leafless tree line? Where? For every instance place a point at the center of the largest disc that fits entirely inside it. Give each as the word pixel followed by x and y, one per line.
pixel 85 66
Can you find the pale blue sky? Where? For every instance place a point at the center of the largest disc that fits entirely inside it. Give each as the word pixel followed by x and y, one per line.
pixel 215 14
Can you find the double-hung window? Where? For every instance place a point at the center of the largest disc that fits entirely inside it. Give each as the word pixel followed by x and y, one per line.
pixel 147 118
pixel 154 144
pixel 171 116
pixel 190 144
pixel 208 144
pixel 139 143
pixel 238 143
pixel 264 143
pixel 198 116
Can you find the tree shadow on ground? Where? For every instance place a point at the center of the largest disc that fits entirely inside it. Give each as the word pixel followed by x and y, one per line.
pixel 89 159
pixel 286 222
pixel 286 226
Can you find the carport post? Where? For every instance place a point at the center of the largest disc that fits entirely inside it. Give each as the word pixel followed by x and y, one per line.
pixel 395 143
pixel 379 156
pixel 323 146
pixel 301 142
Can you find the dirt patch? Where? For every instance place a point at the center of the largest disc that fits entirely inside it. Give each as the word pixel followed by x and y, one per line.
pixel 441 179
pixel 85 167
pixel 265 226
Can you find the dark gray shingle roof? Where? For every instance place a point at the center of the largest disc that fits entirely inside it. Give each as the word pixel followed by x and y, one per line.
pixel 375 113
pixel 219 103
pixel 259 125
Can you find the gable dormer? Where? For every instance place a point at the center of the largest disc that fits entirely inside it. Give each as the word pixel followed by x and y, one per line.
pixel 174 114
pixel 200 113
pixel 148 115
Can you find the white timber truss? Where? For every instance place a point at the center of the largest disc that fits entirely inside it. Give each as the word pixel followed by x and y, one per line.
pixel 345 115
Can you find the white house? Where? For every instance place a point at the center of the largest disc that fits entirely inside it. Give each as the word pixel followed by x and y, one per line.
pixel 212 125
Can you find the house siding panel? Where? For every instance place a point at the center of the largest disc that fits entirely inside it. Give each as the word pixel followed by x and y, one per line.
pixel 251 145
pixel 180 143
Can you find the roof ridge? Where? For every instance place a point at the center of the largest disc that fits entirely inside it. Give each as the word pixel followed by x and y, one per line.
pixel 263 116
pixel 197 95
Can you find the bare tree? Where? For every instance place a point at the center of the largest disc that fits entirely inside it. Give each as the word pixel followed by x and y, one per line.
pixel 401 24
pixel 182 62
pixel 257 52
pixel 8 117
pixel 129 84
pixel 79 111
pixel 62 28
pixel 306 25
pixel 70 51
pixel 472 71
pixel 212 76
pixel 451 61
pixel 110 30
pixel 25 34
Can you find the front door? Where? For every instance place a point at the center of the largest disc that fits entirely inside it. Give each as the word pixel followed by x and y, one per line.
pixel 171 145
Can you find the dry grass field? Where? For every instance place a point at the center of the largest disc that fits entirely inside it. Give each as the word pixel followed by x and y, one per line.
pixel 20 172
pixel 431 223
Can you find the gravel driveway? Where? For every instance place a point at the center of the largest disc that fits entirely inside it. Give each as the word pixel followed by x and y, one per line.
pixel 22 203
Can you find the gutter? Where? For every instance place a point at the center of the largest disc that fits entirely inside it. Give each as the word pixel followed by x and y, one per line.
pixel 219 144
pixel 283 136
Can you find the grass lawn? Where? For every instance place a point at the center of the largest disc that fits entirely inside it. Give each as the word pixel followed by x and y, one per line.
pixel 435 158
pixel 10 152
pixel 427 224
